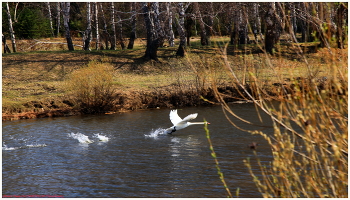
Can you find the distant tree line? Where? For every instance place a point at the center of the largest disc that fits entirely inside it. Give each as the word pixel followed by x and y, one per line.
pixel 113 24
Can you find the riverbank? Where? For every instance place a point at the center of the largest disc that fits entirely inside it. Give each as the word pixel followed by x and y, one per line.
pixel 34 83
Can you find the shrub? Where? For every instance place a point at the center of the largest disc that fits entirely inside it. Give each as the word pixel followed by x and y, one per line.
pixel 91 88
pixel 310 139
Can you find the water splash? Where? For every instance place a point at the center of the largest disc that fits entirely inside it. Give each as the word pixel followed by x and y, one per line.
pixel 6 148
pixel 83 139
pixel 156 133
pixel 101 138
pixel 34 145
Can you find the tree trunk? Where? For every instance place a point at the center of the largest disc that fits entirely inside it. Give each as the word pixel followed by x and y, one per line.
pixel 12 32
pixel 50 18
pixel 120 33
pixel 203 33
pixel 105 35
pixel 235 29
pixel 210 23
pixel 188 27
pixel 97 30
pixel 170 25
pixel 58 19
pixel 272 29
pixel 304 24
pixel 242 26
pixel 181 30
pixel 155 33
pixel 88 33
pixel 294 18
pixel 340 34
pixel 318 23
pixel 65 9
pixel 6 48
pixel 114 33
pixel 133 26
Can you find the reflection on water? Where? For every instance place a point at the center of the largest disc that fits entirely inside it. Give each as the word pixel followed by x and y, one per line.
pixel 128 155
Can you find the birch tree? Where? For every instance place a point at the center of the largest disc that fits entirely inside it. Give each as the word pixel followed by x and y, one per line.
pixel 6 48
pixel 120 32
pixel 87 36
pixel 114 36
pixel 50 17
pixel 203 32
pixel 58 19
pixel 97 29
pixel 170 33
pixel 65 6
pixel 133 25
pixel 12 32
pixel 105 35
pixel 155 32
pixel 242 25
pixel 273 28
pixel 181 30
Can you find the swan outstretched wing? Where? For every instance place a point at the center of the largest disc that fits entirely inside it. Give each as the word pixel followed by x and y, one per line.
pixel 190 117
pixel 174 117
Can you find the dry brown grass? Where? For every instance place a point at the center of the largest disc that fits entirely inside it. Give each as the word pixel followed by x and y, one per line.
pixel 33 81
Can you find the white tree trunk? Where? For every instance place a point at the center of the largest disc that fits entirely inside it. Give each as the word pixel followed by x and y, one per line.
pixel 65 9
pixel 12 32
pixel 50 17
pixel 170 24
pixel 58 18
pixel 87 36
pixel 97 30
pixel 155 32
pixel 114 36
pixel 181 30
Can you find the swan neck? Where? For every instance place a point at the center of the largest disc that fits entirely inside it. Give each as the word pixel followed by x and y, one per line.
pixel 197 123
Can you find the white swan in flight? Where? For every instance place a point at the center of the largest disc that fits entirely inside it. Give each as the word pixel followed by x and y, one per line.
pixel 181 123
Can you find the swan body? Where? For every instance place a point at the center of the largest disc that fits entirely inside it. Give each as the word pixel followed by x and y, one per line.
pixel 181 123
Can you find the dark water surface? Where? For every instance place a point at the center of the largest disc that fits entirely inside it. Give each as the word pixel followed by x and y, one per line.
pixel 49 156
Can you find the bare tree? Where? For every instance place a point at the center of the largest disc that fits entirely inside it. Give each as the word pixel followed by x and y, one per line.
pixel 340 34
pixel 6 48
pixel 155 32
pixel 273 28
pixel 114 36
pixel 50 17
pixel 133 25
pixel 189 22
pixel 170 31
pixel 58 19
pixel 203 33
pixel 97 29
pixel 105 35
pixel 242 25
pixel 120 32
pixel 65 9
pixel 87 36
pixel 12 32
pixel 256 22
pixel 181 30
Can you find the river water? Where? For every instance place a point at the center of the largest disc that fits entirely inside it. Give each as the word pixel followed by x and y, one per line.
pixel 126 155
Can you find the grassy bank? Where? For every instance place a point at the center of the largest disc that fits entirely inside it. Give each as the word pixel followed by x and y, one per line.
pixel 35 83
